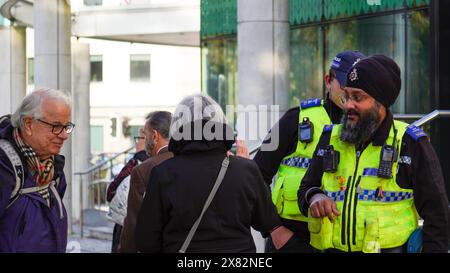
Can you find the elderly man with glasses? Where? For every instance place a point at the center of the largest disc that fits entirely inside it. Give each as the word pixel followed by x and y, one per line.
pixel 32 181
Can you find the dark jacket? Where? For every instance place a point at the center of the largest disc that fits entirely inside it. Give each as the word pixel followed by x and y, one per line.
pixel 269 161
pixel 29 225
pixel 140 177
pixel 138 157
pixel 423 175
pixel 178 189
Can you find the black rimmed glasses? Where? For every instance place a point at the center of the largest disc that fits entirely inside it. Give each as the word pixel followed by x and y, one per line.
pixel 58 128
pixel 137 138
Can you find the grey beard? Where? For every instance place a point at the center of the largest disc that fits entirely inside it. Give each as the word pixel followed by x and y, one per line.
pixel 149 147
pixel 363 129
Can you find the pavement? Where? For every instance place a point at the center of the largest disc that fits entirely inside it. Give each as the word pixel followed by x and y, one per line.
pixel 97 231
pixel 75 244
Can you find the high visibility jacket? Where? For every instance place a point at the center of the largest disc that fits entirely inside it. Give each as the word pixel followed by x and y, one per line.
pixel 375 212
pixel 293 167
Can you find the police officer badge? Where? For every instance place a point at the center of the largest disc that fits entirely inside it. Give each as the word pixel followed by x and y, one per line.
pixel 353 75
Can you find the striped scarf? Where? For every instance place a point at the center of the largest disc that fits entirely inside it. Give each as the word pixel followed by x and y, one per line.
pixel 42 170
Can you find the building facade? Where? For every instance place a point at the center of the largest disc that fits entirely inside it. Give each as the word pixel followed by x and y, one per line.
pixel 129 80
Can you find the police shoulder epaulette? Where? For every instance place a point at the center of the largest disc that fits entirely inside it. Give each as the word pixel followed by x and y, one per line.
pixel 415 132
pixel 310 103
pixel 327 128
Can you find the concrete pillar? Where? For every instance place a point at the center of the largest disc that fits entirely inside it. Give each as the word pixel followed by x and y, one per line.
pixel 12 68
pixel 52 31
pixel 81 67
pixel 263 60
pixel 263 70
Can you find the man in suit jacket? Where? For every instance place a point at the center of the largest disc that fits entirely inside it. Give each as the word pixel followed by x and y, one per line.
pixel 156 132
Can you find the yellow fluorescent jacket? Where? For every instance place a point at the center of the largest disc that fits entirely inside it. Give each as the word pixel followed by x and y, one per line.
pixel 375 212
pixel 293 167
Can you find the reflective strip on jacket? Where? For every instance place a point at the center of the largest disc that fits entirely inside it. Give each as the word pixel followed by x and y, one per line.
pixel 293 167
pixel 375 212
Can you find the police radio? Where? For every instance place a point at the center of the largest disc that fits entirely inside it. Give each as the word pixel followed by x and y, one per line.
pixel 306 129
pixel 387 158
pixel 330 159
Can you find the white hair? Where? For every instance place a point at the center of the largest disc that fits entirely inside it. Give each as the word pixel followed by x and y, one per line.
pixel 197 107
pixel 31 105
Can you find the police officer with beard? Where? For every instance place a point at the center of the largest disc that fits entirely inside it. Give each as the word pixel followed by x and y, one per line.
pixel 371 177
pixel 297 134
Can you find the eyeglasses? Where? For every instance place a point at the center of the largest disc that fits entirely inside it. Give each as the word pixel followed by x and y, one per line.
pixel 58 128
pixel 359 97
pixel 137 138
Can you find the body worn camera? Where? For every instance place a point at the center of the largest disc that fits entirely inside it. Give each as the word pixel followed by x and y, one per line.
pixel 306 130
pixel 388 157
pixel 330 159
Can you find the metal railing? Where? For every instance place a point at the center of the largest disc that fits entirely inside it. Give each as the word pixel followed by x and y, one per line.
pixel 431 116
pixel 98 176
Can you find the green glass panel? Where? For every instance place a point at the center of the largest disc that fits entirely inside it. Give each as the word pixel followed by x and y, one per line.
pixel 418 50
pixel 218 17
pixel 405 39
pixel 410 2
pixel 219 74
pixel 306 68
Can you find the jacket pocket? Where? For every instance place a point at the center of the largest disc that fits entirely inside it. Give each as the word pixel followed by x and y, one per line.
pixel 278 194
pixel 321 231
pixel 371 241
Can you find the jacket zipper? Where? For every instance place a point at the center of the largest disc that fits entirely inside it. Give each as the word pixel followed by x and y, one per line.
pixel 354 209
pixel 343 212
pixel 352 187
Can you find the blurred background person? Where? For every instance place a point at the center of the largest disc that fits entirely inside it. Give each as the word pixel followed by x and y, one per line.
pixel 117 192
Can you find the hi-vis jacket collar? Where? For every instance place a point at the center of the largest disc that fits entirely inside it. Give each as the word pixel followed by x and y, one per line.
pixel 382 133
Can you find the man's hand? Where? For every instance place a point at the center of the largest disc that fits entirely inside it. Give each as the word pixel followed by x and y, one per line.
pixel 321 206
pixel 241 149
pixel 280 236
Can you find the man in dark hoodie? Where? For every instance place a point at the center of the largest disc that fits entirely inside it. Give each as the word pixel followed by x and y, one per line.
pixel 299 132
pixel 179 187
pixel 32 215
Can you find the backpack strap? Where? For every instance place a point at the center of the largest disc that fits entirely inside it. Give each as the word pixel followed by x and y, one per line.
pixel 20 178
pixel 211 195
pixel 14 158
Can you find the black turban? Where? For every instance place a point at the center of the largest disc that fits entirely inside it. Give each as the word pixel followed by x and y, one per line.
pixel 378 76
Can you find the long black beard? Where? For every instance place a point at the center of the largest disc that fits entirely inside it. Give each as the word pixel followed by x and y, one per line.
pixel 363 129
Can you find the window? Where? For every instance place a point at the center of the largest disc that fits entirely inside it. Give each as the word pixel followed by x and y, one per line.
pixel 96 68
pixel 92 2
pixel 135 130
pixel 96 139
pixel 30 69
pixel 139 67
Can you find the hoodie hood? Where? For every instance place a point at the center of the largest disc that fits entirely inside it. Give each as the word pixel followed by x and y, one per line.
pixel 201 136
